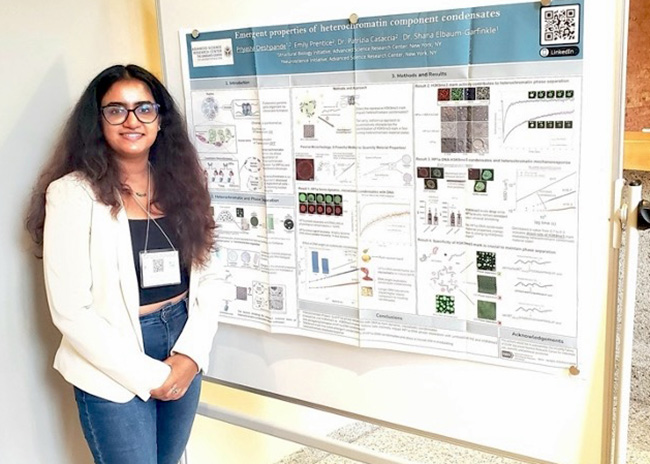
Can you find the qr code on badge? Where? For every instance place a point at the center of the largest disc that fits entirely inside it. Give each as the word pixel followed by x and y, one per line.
pixel 158 265
pixel 560 25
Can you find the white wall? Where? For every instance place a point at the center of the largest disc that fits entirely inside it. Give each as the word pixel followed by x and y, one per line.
pixel 49 51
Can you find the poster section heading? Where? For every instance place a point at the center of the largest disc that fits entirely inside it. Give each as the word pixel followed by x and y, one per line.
pixel 443 38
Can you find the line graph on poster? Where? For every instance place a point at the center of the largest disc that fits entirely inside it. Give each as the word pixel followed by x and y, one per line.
pixel 524 314
pixel 397 172
pixel 539 287
pixel 526 264
pixel 385 222
pixel 538 117
pixel 546 191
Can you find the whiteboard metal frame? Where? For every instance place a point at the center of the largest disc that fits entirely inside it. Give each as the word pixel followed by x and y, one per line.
pixel 629 217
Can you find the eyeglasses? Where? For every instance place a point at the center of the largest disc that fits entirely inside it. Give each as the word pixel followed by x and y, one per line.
pixel 145 112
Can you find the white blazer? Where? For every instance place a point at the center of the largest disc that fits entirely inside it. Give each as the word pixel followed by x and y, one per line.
pixel 93 296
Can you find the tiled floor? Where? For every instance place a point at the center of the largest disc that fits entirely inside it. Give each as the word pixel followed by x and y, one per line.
pixel 419 450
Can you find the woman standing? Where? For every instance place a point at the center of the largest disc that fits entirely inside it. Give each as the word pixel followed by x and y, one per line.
pixel 122 213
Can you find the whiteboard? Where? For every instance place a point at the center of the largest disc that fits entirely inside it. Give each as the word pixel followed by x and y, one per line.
pixel 537 416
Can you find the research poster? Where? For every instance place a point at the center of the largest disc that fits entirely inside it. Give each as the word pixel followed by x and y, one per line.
pixel 402 182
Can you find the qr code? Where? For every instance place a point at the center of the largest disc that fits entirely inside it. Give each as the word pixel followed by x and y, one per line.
pixel 158 265
pixel 560 25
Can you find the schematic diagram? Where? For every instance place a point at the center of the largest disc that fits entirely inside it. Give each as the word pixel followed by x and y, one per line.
pixel 450 273
pixel 268 297
pixel 211 106
pixel 217 139
pixel 222 173
pixel 249 221
pixel 324 112
pixel 242 258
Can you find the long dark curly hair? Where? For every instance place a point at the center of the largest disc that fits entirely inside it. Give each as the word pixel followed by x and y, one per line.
pixel 181 186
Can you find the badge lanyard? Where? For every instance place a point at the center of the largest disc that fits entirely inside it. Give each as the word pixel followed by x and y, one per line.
pixel 159 267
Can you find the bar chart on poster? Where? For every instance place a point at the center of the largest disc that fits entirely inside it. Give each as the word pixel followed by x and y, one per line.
pixel 413 202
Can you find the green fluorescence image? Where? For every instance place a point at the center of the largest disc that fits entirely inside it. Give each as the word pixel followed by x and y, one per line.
pixel 457 94
pixel 487 285
pixel 486 261
pixel 445 304
pixel 308 108
pixel 487 174
pixel 487 310
pixel 437 173
pixel 480 186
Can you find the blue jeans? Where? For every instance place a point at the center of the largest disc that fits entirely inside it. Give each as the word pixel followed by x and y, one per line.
pixel 143 432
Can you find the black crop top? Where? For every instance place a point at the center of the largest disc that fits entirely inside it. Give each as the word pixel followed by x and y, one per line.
pixel 157 241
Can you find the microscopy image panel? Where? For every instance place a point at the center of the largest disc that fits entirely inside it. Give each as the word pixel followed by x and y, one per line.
pixel 487 174
pixel 486 310
pixel 486 261
pixel 478 145
pixel 305 169
pixel 448 130
pixel 463 146
pixel 445 304
pixel 479 113
pixel 482 93
pixel 430 184
pixel 424 172
pixel 448 113
pixel 479 130
pixel 448 145
pixel 438 173
pixel 463 113
pixel 462 130
pixel 480 186
pixel 487 284
pixel 457 93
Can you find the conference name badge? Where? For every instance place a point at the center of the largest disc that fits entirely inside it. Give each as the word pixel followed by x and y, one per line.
pixel 160 267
